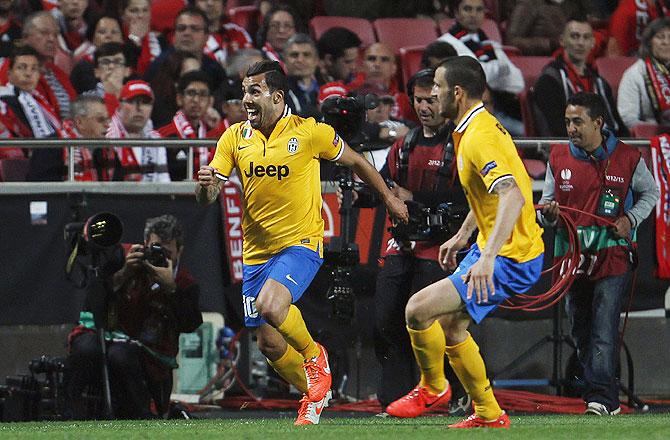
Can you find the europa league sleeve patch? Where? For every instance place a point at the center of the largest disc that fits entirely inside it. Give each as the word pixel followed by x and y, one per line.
pixel 488 167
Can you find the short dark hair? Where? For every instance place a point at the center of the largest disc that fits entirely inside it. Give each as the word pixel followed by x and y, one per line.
pixel 467 73
pixel 274 75
pixel 440 50
pixel 335 41
pixel 167 227
pixel 20 50
pixel 193 76
pixel 422 78
pixel 193 10
pixel 109 49
pixel 592 102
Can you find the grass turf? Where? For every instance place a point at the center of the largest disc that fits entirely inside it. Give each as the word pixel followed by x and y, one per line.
pixel 647 427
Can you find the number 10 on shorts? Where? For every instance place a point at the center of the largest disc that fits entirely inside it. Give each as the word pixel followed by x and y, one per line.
pixel 250 307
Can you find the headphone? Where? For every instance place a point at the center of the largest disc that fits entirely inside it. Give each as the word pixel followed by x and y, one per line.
pixel 421 74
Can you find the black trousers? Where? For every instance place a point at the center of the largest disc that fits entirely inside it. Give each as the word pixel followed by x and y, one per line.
pixel 401 277
pixel 132 390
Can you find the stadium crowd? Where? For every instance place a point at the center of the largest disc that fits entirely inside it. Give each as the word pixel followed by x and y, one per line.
pixel 52 52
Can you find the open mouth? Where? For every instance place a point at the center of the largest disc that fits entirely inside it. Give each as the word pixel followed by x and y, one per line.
pixel 252 113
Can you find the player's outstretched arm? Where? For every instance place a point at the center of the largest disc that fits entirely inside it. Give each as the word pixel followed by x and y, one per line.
pixel 369 174
pixel 208 186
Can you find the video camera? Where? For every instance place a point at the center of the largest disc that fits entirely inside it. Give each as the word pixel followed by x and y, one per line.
pixel 427 223
pixel 347 114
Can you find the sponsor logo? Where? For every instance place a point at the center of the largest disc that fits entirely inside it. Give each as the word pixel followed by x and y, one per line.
pixel 290 278
pixel 488 167
pixel 278 171
pixel 242 147
pixel 292 145
pixel 617 179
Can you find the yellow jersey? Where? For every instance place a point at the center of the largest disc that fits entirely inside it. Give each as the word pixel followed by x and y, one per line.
pixel 281 183
pixel 486 155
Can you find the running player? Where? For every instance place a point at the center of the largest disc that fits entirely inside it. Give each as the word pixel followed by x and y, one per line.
pixel 276 155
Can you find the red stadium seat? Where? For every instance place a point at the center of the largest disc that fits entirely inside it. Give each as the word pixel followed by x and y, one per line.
pixel 612 68
pixel 13 170
pixel 410 61
pixel 405 32
pixel 527 113
pixel 360 26
pixel 535 168
pixel 489 27
pixel 531 67
pixel 648 130
pixel 249 17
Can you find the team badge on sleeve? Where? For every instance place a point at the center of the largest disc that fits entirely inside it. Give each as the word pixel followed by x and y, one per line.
pixel 488 167
pixel 292 145
pixel 246 133
pixel 336 140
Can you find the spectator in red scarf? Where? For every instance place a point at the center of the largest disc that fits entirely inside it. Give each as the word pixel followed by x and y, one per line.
pixel 24 111
pixel 132 120
pixel 90 120
pixel 72 21
pixel 643 90
pixel 40 31
pixel 225 38
pixel 279 24
pixel 568 74
pixel 194 97
pixel 136 18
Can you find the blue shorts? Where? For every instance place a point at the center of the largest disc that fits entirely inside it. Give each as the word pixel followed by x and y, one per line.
pixel 294 267
pixel 509 278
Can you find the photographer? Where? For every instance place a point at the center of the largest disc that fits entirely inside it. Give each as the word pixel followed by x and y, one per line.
pixel 150 301
pixel 420 169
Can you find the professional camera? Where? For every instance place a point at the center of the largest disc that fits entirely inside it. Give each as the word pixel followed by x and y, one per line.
pixel 100 231
pixel 429 223
pixel 155 255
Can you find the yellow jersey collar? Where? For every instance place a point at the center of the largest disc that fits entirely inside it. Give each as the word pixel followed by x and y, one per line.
pixel 283 121
pixel 469 116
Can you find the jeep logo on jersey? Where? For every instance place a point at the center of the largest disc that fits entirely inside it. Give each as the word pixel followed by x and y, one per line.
pixel 293 145
pixel 278 171
pixel 566 174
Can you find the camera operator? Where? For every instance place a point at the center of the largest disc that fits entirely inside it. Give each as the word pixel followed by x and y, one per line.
pixel 420 169
pixel 151 300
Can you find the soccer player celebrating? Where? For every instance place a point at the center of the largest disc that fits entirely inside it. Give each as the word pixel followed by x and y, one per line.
pixel 505 260
pixel 276 155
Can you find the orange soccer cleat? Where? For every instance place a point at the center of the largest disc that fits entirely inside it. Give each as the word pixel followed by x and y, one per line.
pixel 318 375
pixel 309 412
pixel 417 402
pixel 474 421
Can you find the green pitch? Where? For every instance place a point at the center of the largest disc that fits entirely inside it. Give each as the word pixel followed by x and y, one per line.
pixel 647 427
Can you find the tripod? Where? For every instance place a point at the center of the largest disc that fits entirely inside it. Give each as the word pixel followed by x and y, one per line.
pixel 557 338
